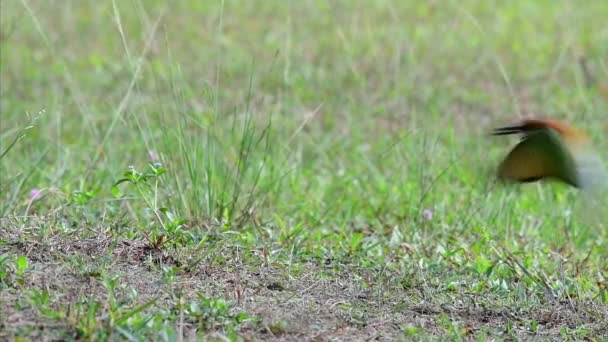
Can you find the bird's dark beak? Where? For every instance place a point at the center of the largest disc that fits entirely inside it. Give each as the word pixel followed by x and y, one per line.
pixel 507 130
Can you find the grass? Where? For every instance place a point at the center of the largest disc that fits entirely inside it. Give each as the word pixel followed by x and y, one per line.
pixel 286 170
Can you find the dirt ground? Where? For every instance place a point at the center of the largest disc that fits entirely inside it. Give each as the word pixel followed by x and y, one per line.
pixel 322 302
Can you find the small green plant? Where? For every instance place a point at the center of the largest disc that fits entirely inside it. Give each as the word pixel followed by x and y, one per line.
pixel 42 301
pixel 211 312
pixel 4 271
pixel 169 227
pixel 83 318
pixel 21 265
pixel 604 295
pixel 169 273
pixel 82 198
pixel 411 330
pixel 80 205
pixel 13 270
pixel 91 319
pixel 533 326
pixel 483 265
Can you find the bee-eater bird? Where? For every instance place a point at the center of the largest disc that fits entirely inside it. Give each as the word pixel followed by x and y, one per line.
pixel 551 149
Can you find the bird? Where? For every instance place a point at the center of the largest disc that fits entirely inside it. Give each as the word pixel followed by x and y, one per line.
pixel 550 149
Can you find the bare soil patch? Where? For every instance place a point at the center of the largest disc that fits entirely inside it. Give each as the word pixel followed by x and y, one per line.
pixel 319 302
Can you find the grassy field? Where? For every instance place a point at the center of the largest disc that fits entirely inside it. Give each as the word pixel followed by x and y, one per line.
pixel 294 170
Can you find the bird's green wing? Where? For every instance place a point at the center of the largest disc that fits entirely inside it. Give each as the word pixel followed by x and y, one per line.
pixel 541 154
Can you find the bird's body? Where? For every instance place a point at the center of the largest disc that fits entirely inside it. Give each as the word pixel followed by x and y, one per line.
pixel 551 149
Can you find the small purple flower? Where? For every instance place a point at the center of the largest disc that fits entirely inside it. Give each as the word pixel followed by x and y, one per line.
pixel 427 214
pixel 153 155
pixel 35 194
